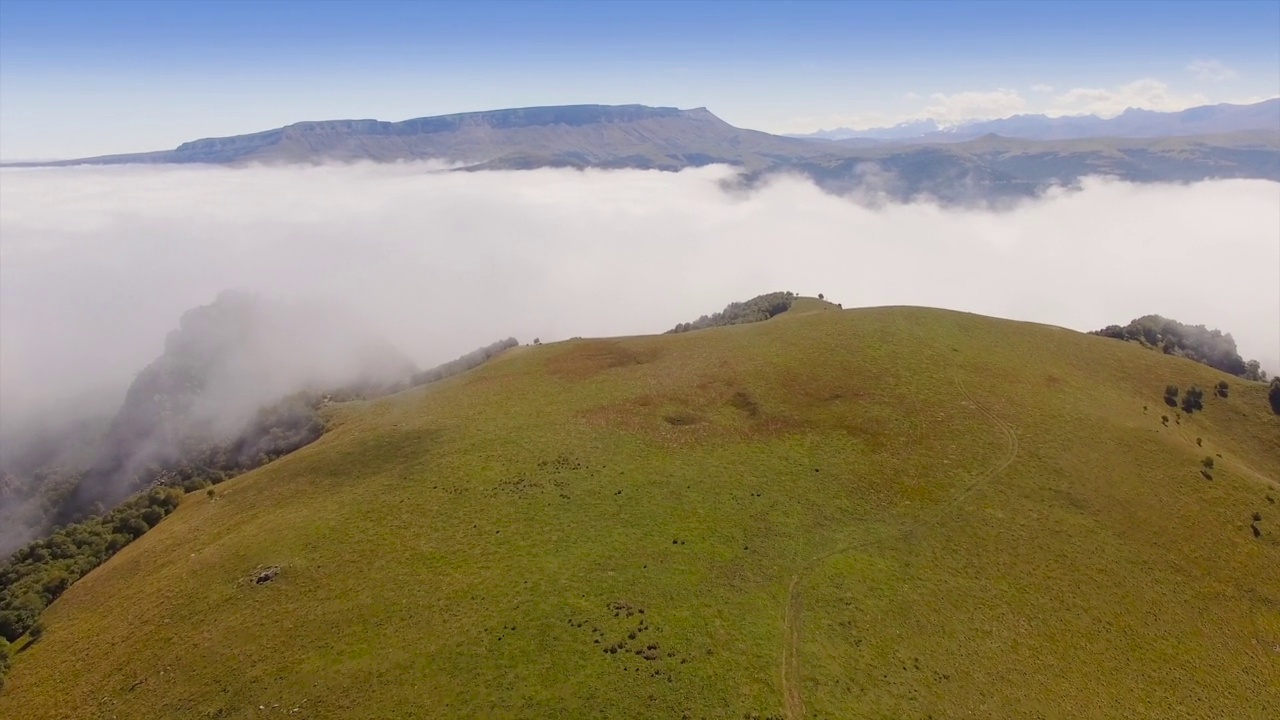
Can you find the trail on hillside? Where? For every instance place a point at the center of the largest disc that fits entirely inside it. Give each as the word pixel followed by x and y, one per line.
pixel 793 699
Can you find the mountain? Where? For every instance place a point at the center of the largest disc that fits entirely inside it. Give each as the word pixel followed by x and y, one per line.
pixel 574 135
pixel 982 170
pixel 903 130
pixel 1132 123
pixel 885 512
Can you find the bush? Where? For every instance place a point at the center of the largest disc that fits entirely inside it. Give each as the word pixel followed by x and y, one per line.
pixel 1171 395
pixel 1222 388
pixel 1193 400
pixel 1207 462
pixel 36 631
pixel 1273 395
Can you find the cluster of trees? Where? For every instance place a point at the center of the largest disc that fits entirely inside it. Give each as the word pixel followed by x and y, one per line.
pixel 761 307
pixel 462 364
pixel 1194 342
pixel 38 573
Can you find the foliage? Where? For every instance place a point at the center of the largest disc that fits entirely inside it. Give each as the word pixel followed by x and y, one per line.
pixel 1171 395
pixel 1222 388
pixel 1207 462
pixel 1273 395
pixel 38 573
pixel 761 307
pixel 1194 342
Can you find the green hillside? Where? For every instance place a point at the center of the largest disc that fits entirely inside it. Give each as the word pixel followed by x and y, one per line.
pixel 877 513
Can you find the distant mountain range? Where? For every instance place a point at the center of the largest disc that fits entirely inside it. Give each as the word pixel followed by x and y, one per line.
pixel 1132 123
pixel 1235 142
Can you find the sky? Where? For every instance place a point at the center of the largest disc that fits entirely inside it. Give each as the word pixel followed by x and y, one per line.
pixel 97 77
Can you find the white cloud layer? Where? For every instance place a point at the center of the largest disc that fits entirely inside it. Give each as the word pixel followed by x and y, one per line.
pixel 96 264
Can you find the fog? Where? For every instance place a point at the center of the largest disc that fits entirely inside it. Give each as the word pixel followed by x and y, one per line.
pixel 97 264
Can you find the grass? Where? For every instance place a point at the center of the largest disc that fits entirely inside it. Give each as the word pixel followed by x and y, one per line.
pixel 475 548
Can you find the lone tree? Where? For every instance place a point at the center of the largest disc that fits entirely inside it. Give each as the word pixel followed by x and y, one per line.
pixel 821 296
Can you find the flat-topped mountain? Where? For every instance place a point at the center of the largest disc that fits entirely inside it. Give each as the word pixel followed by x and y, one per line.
pixel 586 135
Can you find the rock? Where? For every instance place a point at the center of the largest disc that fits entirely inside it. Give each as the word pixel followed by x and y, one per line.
pixel 267 575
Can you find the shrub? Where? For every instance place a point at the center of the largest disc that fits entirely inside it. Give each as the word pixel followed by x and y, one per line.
pixel 211 493
pixel 1193 400
pixel 1199 442
pixel 1207 462
pixel 1222 388
pixel 1273 395
pixel 1171 395
pixel 36 631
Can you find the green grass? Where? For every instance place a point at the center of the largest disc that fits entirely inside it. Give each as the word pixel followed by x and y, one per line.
pixel 457 550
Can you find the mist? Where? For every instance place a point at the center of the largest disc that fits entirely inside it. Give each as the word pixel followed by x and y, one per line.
pixel 98 263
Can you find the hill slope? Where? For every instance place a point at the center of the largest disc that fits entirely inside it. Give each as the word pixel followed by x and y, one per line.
pixel 889 512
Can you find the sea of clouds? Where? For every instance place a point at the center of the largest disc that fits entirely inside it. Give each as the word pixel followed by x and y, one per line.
pixel 97 263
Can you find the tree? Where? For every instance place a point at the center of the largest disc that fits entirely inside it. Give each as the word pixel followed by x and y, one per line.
pixel 1273 395
pixel 821 296
pixel 1171 395
pixel 1223 389
pixel 1253 371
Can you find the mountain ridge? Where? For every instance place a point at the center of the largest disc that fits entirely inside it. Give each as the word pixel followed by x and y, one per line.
pixel 1133 123
pixel 985 169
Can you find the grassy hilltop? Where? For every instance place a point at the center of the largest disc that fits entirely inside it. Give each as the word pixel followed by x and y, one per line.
pixel 877 513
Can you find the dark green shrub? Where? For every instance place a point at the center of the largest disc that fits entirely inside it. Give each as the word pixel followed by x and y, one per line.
pixel 36 631
pixel 1273 395
pixel 1207 462
pixel 1193 400
pixel 1223 388
pixel 1171 395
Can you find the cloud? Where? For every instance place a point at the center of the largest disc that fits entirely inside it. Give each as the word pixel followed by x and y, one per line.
pixel 1038 88
pixel 96 264
pixel 1211 70
pixel 973 105
pixel 1147 94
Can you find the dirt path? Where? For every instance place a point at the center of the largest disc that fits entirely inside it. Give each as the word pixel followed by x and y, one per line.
pixel 793 699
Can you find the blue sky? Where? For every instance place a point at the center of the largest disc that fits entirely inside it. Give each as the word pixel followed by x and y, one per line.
pixel 82 78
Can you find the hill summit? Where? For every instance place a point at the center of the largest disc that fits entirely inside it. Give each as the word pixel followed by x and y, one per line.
pixel 895 512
